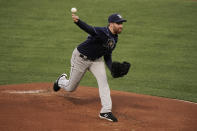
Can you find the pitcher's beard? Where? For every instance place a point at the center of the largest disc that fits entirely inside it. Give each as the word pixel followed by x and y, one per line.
pixel 118 31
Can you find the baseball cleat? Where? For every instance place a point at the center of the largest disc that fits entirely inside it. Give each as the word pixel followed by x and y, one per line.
pixel 56 87
pixel 108 116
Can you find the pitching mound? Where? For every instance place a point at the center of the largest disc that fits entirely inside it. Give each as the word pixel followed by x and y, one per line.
pixel 35 107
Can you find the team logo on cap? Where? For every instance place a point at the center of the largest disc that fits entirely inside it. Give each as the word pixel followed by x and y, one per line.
pixel 119 16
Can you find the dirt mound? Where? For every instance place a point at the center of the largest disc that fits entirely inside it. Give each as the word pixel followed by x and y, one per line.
pixel 30 107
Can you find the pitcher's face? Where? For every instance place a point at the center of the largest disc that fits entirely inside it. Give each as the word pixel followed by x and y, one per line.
pixel 117 27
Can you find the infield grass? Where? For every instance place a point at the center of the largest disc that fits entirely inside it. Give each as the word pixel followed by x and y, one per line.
pixel 37 38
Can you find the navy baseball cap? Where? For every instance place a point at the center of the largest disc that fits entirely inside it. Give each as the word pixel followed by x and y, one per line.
pixel 116 18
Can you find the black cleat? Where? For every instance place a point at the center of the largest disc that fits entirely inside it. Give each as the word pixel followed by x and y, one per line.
pixel 108 116
pixel 55 85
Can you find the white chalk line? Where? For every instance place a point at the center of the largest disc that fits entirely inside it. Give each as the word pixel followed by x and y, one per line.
pixel 183 101
pixel 25 92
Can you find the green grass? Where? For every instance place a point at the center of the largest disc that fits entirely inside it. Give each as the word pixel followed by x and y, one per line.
pixel 37 38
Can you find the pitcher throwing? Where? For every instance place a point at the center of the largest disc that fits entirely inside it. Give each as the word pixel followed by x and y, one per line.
pixel 101 41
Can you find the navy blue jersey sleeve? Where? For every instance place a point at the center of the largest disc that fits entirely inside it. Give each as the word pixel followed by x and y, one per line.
pixel 87 28
pixel 108 60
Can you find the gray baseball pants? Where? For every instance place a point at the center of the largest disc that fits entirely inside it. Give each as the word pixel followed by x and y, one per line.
pixel 79 66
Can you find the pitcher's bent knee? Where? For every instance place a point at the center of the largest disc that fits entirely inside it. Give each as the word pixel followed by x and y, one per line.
pixel 70 88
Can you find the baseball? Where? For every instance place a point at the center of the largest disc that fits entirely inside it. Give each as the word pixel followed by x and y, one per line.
pixel 73 10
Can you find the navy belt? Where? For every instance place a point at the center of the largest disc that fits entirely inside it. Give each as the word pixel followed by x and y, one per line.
pixel 87 58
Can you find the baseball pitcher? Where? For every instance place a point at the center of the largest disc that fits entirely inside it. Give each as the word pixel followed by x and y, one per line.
pixel 101 41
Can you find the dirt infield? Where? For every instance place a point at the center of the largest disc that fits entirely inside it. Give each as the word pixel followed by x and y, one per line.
pixel 35 107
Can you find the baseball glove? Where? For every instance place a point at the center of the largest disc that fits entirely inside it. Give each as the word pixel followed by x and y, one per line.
pixel 119 69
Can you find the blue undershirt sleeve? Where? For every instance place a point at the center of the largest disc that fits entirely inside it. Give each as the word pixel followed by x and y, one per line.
pixel 87 28
pixel 108 60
